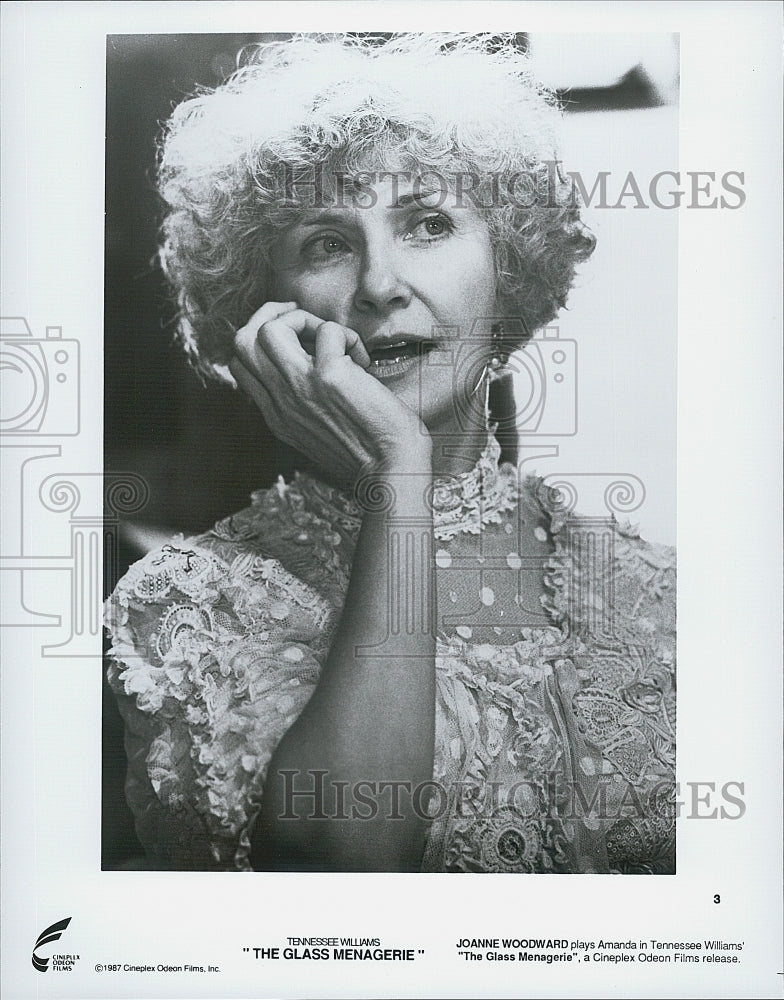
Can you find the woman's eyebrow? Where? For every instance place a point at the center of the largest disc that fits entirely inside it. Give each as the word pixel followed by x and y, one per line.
pixel 416 197
pixel 333 218
pixel 345 215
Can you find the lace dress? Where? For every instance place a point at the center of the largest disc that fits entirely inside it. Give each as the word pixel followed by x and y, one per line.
pixel 555 714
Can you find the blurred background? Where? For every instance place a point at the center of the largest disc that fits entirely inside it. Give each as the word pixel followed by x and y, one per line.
pixel 203 449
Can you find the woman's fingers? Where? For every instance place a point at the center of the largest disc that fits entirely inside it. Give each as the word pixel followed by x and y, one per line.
pixel 308 328
pixel 334 341
pixel 275 344
pixel 323 402
pixel 280 336
pixel 331 339
pixel 246 338
pixel 341 455
pixel 252 387
pixel 267 312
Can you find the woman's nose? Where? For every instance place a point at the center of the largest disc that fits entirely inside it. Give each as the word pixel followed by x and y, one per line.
pixel 380 284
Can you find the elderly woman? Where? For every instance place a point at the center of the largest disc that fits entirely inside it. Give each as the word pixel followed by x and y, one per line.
pixel 407 658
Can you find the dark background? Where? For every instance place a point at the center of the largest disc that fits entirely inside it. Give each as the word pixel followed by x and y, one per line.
pixel 201 449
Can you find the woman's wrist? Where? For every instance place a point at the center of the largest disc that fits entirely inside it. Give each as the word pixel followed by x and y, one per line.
pixel 400 484
pixel 407 456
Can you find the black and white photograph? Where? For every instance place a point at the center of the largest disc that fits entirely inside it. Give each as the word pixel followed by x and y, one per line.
pixel 412 655
pixel 341 526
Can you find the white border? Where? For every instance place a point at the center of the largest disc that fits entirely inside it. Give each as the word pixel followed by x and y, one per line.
pixel 729 555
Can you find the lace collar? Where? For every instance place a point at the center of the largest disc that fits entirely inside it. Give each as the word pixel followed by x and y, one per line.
pixel 464 503
pixel 468 502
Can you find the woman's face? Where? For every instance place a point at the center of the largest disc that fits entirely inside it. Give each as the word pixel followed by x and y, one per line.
pixel 411 275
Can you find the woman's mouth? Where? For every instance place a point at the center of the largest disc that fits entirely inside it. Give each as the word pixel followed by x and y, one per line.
pixel 394 359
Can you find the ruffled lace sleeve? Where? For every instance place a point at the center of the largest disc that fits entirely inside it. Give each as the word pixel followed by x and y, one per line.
pixel 215 652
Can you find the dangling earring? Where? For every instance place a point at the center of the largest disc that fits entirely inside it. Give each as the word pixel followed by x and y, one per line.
pixel 494 367
pixel 500 355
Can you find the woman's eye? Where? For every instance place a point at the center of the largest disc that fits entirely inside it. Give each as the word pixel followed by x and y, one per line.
pixel 331 244
pixel 435 227
pixel 325 246
pixel 432 227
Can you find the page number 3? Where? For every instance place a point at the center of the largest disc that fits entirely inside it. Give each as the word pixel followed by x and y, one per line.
pixel 717 898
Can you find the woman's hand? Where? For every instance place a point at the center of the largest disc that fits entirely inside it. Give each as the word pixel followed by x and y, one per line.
pixel 325 404
pixel 371 716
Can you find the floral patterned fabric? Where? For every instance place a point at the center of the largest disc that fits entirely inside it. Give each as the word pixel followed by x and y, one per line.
pixel 555 713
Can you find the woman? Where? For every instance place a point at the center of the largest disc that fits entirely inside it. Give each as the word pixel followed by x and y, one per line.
pixel 406 659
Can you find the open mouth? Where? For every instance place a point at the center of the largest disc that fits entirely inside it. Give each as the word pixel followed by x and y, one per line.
pixel 394 358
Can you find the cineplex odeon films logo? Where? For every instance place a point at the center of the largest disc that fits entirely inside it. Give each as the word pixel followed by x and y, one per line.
pixel 59 962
